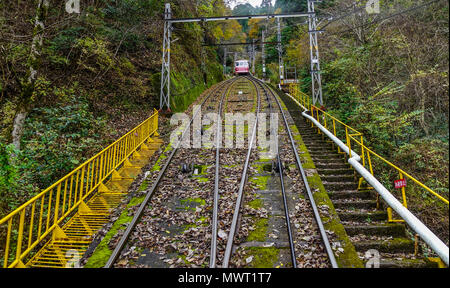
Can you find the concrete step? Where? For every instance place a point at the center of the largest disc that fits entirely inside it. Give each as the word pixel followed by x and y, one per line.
pixel 319 149
pixel 309 141
pixel 340 186
pixel 396 245
pixel 361 204
pixel 362 216
pixel 315 143
pixel 351 194
pixel 330 161
pixel 407 263
pixel 344 171
pixel 326 154
pixel 394 230
pixel 338 178
pixel 330 156
pixel 331 165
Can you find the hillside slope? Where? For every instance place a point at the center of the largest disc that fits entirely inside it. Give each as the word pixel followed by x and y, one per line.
pixel 82 80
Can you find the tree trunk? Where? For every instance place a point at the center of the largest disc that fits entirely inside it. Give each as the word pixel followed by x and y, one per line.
pixel 25 102
pixel 19 121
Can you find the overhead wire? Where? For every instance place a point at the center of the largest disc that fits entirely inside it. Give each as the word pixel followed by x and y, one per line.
pixel 339 17
pixel 386 17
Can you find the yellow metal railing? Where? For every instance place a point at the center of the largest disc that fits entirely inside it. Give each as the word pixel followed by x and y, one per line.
pixel 30 225
pixel 354 139
pixel 301 97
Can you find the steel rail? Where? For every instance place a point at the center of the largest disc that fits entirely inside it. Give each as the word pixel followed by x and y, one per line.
pixel 213 253
pixel 229 247
pixel 283 191
pixel 323 233
pixel 144 203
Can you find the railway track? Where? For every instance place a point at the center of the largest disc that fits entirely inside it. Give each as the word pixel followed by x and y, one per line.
pixel 220 199
pixel 317 218
pixel 119 247
pixel 268 93
pixel 234 223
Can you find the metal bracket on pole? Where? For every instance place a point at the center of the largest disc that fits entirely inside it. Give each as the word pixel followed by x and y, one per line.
pixel 316 80
pixel 164 100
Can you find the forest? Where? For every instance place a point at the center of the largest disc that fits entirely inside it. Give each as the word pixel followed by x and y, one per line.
pixel 71 83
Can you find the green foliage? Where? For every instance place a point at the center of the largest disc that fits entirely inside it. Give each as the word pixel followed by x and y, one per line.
pixel 48 129
pixel 95 49
pixel 8 176
pixel 291 5
pixel 388 81
pixel 66 39
pixel 111 56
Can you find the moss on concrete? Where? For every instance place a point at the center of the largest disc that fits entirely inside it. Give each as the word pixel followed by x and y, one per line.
pixel 259 234
pixel 263 257
pixel 202 179
pixel 200 201
pixel 163 156
pixel 144 185
pixel 102 252
pixel 260 181
pixel 256 204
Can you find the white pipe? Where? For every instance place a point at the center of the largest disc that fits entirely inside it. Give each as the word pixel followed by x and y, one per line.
pixel 426 234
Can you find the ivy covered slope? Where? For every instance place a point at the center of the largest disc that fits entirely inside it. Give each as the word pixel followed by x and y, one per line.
pixel 72 83
pixel 389 80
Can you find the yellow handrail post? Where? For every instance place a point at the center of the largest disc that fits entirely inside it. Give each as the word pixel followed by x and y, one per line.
pixel 403 192
pixel 30 232
pixel 8 240
pixel 81 184
pixel 41 214
pixel 49 209
pixel 370 163
pixel 361 179
pixel 348 142
pixel 318 120
pixel 65 196
pixel 334 132
pixel 20 235
pixel 58 195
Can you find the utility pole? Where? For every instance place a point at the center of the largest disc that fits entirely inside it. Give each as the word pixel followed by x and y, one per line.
pixel 266 5
pixel 263 56
pixel 253 57
pixel 280 51
pixel 203 56
pixel 164 100
pixel 224 61
pixel 316 80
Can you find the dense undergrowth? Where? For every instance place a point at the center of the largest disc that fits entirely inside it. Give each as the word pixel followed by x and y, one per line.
pixel 98 76
pixel 389 80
